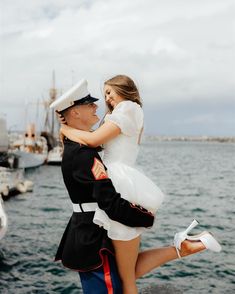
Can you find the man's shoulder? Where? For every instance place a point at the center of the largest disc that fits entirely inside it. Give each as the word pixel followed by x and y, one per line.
pixel 79 149
pixel 78 156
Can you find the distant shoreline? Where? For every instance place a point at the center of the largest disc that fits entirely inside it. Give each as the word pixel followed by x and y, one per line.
pixel 220 139
pixel 192 138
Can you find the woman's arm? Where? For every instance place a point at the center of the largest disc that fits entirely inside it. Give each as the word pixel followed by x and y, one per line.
pixel 103 134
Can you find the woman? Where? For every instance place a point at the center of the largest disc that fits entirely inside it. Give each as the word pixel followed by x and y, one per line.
pixel 120 135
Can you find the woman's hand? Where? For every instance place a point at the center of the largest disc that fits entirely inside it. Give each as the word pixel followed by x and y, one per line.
pixel 61 118
pixel 61 136
pixel 65 129
pixel 71 133
pixel 103 134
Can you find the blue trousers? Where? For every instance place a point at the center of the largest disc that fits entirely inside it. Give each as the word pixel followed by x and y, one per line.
pixel 104 280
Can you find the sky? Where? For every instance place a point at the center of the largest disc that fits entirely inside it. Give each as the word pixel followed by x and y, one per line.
pixel 180 53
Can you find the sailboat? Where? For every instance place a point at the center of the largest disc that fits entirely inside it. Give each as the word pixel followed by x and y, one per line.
pixel 52 129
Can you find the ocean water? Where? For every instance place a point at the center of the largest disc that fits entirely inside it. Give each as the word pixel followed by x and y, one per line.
pixel 198 179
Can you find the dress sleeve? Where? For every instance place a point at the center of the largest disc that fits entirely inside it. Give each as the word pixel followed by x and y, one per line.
pixel 128 116
pixel 90 170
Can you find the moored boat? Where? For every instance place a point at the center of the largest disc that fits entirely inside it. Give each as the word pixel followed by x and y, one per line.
pixel 55 155
pixel 12 182
pixel 3 219
pixel 29 159
pixel 30 149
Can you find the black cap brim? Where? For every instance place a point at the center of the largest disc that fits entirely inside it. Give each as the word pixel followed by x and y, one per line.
pixel 86 100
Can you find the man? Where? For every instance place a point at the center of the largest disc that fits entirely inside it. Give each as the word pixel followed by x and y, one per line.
pixel 85 246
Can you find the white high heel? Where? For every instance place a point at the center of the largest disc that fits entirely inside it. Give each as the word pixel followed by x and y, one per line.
pixel 205 237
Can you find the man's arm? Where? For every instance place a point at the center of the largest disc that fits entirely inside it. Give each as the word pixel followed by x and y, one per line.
pixel 90 169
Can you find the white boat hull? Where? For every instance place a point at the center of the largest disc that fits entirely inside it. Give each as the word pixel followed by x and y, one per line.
pixel 3 220
pixel 12 182
pixel 29 160
pixel 55 156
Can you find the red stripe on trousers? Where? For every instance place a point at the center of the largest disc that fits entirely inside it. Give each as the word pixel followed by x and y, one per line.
pixel 107 275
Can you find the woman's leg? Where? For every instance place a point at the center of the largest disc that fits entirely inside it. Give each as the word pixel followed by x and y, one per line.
pixel 153 258
pixel 126 254
pixel 133 264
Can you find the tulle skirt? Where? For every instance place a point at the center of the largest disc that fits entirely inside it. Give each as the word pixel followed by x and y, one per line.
pixel 135 187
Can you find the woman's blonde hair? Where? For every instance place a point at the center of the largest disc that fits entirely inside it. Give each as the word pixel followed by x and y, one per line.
pixel 125 88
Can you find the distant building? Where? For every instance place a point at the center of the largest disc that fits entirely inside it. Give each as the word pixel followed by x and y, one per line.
pixel 3 135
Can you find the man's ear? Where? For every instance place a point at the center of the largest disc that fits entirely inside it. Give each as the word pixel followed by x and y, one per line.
pixel 75 112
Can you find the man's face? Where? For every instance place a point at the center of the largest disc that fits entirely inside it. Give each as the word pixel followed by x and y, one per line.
pixel 87 114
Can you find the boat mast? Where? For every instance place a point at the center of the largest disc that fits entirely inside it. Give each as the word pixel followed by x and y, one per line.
pixel 53 93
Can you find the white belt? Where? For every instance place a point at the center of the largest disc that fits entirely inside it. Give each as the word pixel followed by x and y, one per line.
pixel 85 207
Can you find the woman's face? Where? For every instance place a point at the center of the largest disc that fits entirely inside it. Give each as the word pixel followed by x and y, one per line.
pixel 111 97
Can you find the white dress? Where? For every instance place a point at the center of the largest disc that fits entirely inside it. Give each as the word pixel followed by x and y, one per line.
pixel 119 157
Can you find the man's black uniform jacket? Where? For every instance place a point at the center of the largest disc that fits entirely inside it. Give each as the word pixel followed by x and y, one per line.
pixel 86 180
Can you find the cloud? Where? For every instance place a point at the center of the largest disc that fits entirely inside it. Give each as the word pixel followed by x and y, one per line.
pixel 175 50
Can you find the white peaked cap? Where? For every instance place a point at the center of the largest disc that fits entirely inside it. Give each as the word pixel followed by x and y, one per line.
pixel 77 95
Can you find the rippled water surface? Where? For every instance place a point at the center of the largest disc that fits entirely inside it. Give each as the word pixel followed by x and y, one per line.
pixel 199 181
